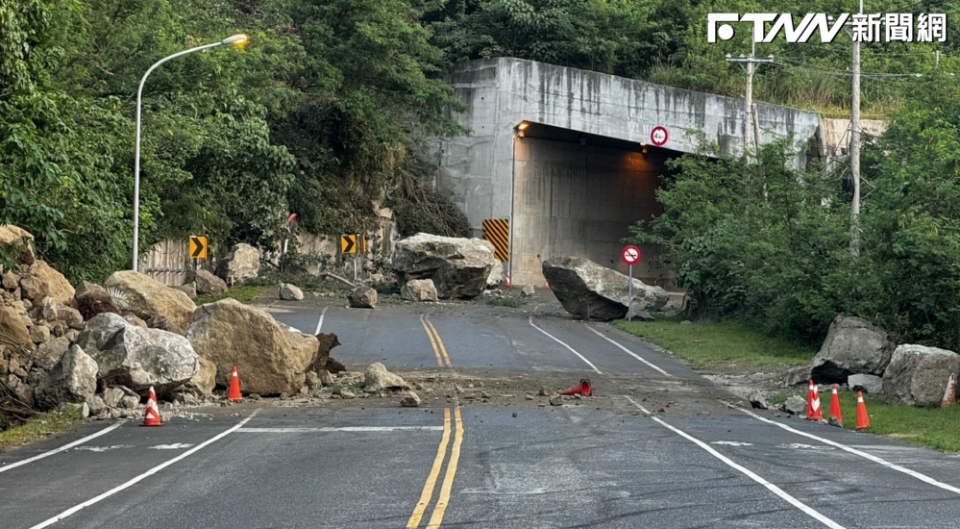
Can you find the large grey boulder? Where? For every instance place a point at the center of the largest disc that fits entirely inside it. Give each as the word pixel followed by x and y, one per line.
pixel 867 383
pixel 853 346
pixel 591 291
pixel 458 267
pixel 363 298
pixel 377 378
pixel 209 284
pixel 917 375
pixel 419 290
pixel 269 360
pixel 290 292
pixel 149 297
pixel 138 358
pixel 243 262
pixel 73 379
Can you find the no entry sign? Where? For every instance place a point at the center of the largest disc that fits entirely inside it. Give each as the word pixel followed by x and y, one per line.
pixel 659 136
pixel 631 255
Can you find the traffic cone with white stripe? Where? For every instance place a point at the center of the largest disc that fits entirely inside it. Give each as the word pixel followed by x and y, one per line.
pixel 583 388
pixel 835 407
pixel 950 395
pixel 151 416
pixel 863 420
pixel 234 393
pixel 814 412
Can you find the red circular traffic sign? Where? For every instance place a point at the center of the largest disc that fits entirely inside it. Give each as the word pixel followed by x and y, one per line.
pixel 659 136
pixel 631 255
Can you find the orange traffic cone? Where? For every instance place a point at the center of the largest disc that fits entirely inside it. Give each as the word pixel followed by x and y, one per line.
pixel 508 283
pixel 234 393
pixel 583 388
pixel 863 420
pixel 151 416
pixel 950 395
pixel 835 406
pixel 814 412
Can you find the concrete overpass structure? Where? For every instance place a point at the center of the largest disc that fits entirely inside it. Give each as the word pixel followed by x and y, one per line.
pixel 587 163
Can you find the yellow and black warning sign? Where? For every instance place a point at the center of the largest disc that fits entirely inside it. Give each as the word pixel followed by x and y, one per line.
pixel 497 232
pixel 348 243
pixel 198 247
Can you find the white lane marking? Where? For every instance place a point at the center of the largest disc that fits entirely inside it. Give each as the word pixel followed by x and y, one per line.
pixel 628 351
pixel 101 448
pixel 731 443
pixel 803 507
pixel 62 448
pixel 174 446
pixel 801 446
pixel 893 466
pixel 342 429
pixel 320 323
pixel 572 350
pixel 141 477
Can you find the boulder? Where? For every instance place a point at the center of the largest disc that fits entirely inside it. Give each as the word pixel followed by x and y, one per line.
pixel 377 378
pixel 527 291
pixel 795 405
pixel 269 360
pixel 458 267
pixel 363 298
pixel 87 287
pixel 39 333
pixel 209 284
pixel 190 289
pixel 290 292
pixel 917 375
pixel 325 343
pixel 853 346
pixel 11 280
pixel 53 283
pixel 243 262
pixel 205 380
pixel 866 383
pixel 419 290
pixel 590 291
pixel 13 329
pixel 150 297
pixel 138 358
pixel 50 352
pixel 410 400
pixel 13 236
pixel 112 397
pixel 94 302
pixel 73 379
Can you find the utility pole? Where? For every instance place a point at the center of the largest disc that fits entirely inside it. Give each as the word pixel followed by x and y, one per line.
pixel 750 61
pixel 855 149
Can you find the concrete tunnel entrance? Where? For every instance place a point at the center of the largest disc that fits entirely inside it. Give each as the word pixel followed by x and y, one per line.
pixel 577 195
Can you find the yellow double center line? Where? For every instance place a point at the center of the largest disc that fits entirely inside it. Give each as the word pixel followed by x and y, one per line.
pixel 435 341
pixel 436 519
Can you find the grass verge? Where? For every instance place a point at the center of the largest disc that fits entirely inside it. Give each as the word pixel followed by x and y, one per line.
pixel 243 294
pixel 40 427
pixel 722 347
pixel 932 427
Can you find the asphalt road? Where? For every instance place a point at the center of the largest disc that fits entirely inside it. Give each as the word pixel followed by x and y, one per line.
pixel 657 447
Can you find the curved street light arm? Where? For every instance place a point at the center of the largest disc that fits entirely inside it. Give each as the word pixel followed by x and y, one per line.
pixel 136 168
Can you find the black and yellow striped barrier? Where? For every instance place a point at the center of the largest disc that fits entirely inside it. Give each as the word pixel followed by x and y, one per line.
pixel 497 232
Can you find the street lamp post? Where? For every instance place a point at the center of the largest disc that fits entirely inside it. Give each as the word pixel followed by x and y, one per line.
pixel 236 40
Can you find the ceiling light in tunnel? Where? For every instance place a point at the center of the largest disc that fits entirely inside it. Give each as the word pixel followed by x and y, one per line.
pixel 643 146
pixel 523 125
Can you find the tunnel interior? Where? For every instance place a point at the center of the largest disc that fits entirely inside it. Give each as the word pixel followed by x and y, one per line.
pixel 578 194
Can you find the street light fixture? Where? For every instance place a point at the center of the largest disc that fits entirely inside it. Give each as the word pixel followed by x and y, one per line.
pixel 236 40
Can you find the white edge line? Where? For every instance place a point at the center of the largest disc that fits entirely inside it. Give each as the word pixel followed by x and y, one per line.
pixel 62 448
pixel 342 429
pixel 628 351
pixel 806 509
pixel 141 477
pixel 320 323
pixel 572 350
pixel 893 466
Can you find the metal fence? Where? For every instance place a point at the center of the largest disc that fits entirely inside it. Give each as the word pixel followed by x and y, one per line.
pixel 168 262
